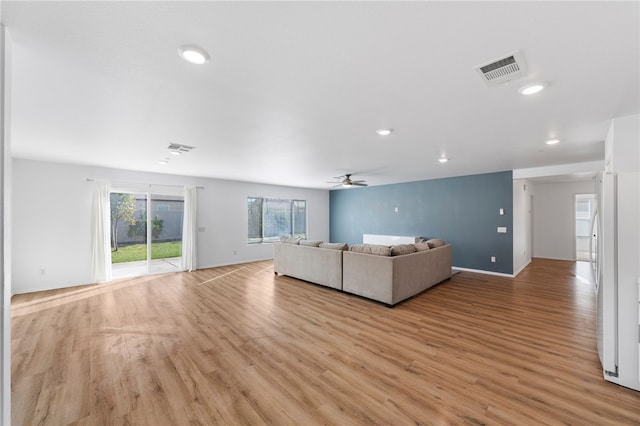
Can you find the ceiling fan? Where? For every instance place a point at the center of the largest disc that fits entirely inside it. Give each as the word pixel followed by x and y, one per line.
pixel 346 181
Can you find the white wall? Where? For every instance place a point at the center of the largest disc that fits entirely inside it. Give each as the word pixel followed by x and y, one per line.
pixel 554 218
pixel 5 228
pixel 622 148
pixel 522 222
pixel 52 211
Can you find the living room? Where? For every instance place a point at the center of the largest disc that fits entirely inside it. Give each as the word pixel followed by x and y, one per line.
pixel 290 98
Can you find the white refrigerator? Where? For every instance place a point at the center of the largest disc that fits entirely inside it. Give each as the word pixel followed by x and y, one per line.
pixel 616 275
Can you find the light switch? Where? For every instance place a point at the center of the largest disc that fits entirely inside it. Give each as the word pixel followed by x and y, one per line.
pixel 502 229
pixel 501 212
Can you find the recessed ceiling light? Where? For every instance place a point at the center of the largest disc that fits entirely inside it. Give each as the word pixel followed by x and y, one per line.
pixel 176 152
pixel 443 160
pixel 194 54
pixel 530 89
pixel 553 141
pixel 163 162
pixel 384 132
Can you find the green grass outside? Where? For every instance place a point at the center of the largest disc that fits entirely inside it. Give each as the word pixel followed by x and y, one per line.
pixel 138 252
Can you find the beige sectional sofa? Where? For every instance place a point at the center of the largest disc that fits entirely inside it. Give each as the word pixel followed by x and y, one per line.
pixel 310 262
pixel 387 274
pixel 392 279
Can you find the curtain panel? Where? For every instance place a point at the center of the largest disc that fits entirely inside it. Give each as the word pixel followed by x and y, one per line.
pixel 190 230
pixel 100 227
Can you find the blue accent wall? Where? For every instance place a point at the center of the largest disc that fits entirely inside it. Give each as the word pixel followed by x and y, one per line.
pixel 463 211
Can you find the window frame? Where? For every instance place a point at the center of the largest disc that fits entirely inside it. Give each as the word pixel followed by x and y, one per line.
pixel 293 211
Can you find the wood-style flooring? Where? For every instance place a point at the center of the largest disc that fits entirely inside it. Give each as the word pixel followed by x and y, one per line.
pixel 238 345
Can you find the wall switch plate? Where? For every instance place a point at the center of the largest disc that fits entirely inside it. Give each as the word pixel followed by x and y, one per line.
pixel 502 229
pixel 493 259
pixel 501 212
pixel 201 229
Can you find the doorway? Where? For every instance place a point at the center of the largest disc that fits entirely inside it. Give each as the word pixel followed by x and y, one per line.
pixel 585 205
pixel 146 233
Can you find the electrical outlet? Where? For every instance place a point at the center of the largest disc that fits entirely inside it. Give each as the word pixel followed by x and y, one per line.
pixel 43 271
pixel 493 259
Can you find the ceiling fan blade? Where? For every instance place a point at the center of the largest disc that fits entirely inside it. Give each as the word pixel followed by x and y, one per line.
pixel 360 181
pixel 355 183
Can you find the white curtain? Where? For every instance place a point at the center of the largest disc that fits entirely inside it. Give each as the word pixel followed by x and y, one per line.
pixel 189 230
pixel 100 234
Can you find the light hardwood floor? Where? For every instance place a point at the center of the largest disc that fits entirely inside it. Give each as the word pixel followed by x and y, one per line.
pixel 236 345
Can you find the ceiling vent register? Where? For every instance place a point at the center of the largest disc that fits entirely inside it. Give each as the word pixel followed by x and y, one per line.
pixel 503 70
pixel 180 148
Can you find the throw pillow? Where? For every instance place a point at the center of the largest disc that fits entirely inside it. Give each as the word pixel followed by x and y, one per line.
pixel 434 243
pixel 400 249
pixel 422 246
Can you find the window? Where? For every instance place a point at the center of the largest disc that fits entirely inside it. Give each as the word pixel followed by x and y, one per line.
pixel 271 218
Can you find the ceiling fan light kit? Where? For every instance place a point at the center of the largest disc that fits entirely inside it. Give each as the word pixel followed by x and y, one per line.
pixel 345 181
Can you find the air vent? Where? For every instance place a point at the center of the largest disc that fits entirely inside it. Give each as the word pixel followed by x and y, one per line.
pixel 180 148
pixel 502 70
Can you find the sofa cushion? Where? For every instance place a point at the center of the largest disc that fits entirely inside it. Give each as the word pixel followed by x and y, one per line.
pixel 372 249
pixel 310 243
pixel 433 243
pixel 335 246
pixel 421 246
pixel 288 240
pixel 400 249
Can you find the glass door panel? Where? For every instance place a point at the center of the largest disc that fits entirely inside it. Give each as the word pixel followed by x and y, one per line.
pixel 128 234
pixel 165 233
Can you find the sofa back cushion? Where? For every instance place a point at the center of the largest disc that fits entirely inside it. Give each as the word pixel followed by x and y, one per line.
pixel 335 246
pixel 310 243
pixel 400 249
pixel 371 249
pixel 288 240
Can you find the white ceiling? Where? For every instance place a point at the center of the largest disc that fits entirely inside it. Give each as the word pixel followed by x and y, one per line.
pixel 295 90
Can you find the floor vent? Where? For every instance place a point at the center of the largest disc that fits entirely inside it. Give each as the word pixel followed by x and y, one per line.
pixel 502 70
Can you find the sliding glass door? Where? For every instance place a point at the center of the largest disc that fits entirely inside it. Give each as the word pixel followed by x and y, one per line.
pixel 166 233
pixel 146 233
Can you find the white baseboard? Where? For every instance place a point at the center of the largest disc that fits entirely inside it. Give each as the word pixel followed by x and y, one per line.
pixel 523 266
pixel 481 271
